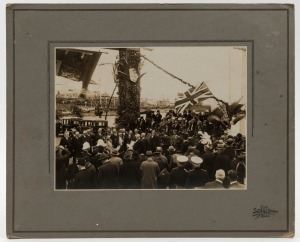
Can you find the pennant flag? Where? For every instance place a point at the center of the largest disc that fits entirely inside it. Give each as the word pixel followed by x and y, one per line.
pixel 239 117
pixel 192 97
pixel 234 108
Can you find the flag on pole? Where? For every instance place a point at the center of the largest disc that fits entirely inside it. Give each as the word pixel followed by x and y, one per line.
pixel 192 97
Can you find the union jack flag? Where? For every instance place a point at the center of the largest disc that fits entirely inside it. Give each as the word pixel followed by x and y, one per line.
pixel 192 97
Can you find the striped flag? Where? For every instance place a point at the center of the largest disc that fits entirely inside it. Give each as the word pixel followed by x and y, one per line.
pixel 192 97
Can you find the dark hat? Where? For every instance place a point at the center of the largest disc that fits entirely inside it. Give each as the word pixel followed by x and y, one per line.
pixel 81 161
pixel 229 141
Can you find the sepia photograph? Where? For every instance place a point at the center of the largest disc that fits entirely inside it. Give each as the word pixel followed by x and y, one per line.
pixel 151 118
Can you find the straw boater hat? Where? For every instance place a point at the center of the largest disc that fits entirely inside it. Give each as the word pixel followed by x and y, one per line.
pixel 196 160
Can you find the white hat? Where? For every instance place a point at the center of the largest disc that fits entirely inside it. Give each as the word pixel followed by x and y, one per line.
pixel 196 160
pixel 100 142
pixel 182 158
pixel 86 146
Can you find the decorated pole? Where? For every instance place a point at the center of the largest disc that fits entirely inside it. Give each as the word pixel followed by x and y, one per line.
pixel 128 77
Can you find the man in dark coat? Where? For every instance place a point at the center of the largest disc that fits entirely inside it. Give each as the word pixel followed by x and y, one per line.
pixel 162 162
pixel 154 141
pixel 208 162
pixel 76 145
pixel 178 175
pixel 107 176
pixel 66 141
pixel 129 173
pixel 241 168
pixel 138 145
pixel 85 178
pixel 222 161
pixel 229 150
pixel 197 177
pixel 62 155
pixel 142 124
pixel 165 142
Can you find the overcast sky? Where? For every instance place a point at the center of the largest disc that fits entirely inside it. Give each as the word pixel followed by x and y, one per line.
pixel 222 68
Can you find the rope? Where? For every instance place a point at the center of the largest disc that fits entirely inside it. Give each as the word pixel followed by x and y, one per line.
pixel 168 73
pixel 186 83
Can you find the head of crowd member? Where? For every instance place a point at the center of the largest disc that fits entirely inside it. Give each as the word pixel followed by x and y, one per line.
pixel 137 136
pixel 197 161
pixel 207 148
pixel 229 142
pixel 130 132
pixel 108 131
pixel 171 150
pixel 114 152
pixel 142 157
pixel 159 149
pixel 95 151
pixel 88 131
pixel 181 160
pixel 127 156
pixel 143 135
pixel 66 134
pixel 135 155
pixel 77 134
pixel 81 163
pixel 157 111
pixel 114 132
pixel 136 131
pixel 149 154
pixel 241 154
pixel 84 133
pixel 153 132
pixel 220 175
pixel 239 136
pixel 232 176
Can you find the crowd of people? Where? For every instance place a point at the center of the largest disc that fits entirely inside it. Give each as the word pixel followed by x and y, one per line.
pixel 177 151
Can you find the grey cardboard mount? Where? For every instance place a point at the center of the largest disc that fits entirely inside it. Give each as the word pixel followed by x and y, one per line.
pixel 35 209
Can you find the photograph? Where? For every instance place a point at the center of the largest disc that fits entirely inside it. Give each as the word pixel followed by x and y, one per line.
pixel 151 117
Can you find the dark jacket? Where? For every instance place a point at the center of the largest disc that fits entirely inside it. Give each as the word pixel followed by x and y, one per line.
pixel 107 176
pixel 196 178
pixel 130 174
pixel 85 179
pixel 222 161
pixel 177 178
